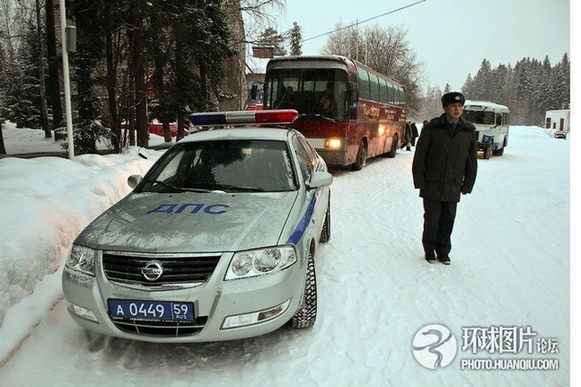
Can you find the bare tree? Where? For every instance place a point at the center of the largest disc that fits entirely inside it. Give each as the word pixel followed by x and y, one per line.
pixel 258 15
pixel 386 50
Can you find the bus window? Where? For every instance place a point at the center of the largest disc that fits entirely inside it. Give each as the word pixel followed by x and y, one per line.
pixel 479 117
pixel 309 91
pixel 383 90
pixel 373 87
pixel 391 93
pixel 363 83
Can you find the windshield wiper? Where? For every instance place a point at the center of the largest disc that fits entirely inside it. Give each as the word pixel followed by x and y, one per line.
pixel 180 189
pixel 315 117
pixel 237 188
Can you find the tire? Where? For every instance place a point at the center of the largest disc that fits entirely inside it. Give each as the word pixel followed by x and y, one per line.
pixel 361 157
pixel 307 314
pixel 391 154
pixel 326 231
pixel 500 152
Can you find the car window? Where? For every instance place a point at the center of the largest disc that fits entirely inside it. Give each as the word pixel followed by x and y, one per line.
pixel 230 165
pixel 310 151
pixel 303 157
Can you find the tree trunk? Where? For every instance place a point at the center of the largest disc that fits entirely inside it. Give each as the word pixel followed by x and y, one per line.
pixel 54 88
pixel 131 111
pixel 137 52
pixel 181 129
pixel 40 54
pixel 111 87
pixel 166 129
pixel 204 83
pixel 2 147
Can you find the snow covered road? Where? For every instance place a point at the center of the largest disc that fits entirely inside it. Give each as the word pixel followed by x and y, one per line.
pixel 510 267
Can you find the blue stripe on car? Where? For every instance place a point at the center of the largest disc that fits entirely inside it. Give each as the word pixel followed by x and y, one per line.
pixel 302 226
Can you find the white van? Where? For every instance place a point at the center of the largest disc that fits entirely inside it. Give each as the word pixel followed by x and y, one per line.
pixel 491 122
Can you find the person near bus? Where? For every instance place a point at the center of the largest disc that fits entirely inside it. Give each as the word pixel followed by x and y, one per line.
pixel 414 133
pixel 283 97
pixel 411 133
pixel 444 167
pixel 327 102
pixel 408 136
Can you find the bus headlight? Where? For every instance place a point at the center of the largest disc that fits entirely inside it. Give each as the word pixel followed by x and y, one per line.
pixel 253 263
pixel 333 143
pixel 381 130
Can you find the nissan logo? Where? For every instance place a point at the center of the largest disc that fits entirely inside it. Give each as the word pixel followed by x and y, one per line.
pixel 152 270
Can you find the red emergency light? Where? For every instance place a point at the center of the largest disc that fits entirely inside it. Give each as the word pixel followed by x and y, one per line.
pixel 281 116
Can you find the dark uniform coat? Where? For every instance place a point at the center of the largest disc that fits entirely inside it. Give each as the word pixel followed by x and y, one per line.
pixel 445 160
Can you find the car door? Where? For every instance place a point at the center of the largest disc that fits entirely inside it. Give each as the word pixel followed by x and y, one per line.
pixel 317 198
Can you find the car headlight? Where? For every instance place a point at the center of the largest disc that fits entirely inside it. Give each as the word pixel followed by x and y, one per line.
pixel 82 259
pixel 252 263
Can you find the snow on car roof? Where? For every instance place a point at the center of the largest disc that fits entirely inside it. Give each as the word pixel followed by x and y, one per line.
pixel 243 133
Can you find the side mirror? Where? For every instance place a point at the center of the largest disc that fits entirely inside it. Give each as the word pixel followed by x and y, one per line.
pixel 134 180
pixel 319 179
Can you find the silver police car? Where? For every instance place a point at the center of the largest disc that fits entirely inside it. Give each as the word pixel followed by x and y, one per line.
pixel 216 242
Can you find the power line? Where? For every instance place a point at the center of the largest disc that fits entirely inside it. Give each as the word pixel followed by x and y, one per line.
pixel 364 21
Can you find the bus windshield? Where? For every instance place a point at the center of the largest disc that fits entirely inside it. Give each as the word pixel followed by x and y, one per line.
pixel 479 116
pixel 309 91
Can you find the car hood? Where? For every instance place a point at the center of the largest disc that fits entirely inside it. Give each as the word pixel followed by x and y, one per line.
pixel 190 222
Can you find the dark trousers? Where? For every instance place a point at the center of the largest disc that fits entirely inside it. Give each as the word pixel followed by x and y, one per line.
pixel 438 223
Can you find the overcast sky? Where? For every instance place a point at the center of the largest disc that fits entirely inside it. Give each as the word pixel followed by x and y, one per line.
pixel 450 37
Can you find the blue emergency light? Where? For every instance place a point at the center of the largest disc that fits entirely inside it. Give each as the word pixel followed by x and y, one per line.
pixel 281 116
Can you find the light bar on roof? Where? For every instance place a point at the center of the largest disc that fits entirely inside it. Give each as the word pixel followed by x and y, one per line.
pixel 282 116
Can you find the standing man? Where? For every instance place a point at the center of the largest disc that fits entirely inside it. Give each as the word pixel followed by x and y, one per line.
pixel 444 167
pixel 414 133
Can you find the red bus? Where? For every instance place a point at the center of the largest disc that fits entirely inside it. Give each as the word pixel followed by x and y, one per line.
pixel 347 111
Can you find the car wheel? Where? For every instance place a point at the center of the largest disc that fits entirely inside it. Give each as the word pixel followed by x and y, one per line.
pixel 498 152
pixel 326 231
pixel 391 154
pixel 307 314
pixel 361 157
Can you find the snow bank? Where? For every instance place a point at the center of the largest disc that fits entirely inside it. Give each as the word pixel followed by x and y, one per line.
pixel 45 203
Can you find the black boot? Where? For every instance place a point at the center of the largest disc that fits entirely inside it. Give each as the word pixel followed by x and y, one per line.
pixel 444 259
pixel 430 256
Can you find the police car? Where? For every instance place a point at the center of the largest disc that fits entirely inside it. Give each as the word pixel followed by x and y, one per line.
pixel 216 242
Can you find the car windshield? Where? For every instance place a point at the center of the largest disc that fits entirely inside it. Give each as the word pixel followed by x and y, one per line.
pixel 229 166
pixel 479 116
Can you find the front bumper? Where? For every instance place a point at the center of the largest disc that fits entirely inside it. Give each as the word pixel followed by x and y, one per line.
pixel 214 301
pixel 335 158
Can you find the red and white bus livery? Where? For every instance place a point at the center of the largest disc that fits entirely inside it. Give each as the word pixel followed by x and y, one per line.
pixel 347 111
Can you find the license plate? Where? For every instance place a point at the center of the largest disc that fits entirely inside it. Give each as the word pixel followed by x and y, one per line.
pixel 151 310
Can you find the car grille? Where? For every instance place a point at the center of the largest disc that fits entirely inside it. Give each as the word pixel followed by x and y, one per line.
pixel 127 268
pixel 159 328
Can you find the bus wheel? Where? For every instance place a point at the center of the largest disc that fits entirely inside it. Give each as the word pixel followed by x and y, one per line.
pixel 361 157
pixel 393 151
